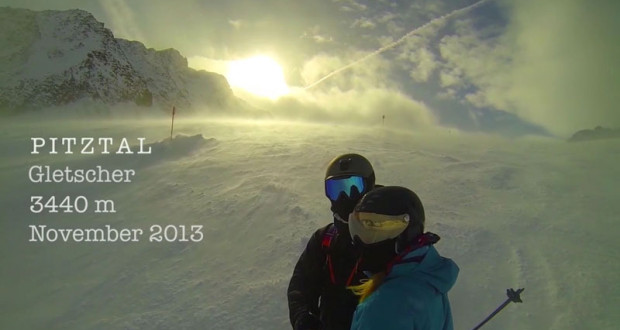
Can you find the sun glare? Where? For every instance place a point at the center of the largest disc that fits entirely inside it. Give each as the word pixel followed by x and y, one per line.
pixel 259 75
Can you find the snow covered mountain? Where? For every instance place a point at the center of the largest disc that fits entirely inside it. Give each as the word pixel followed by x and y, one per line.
pixel 51 58
pixel 595 134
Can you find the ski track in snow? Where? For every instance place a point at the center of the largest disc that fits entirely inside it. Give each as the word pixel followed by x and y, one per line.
pixel 533 213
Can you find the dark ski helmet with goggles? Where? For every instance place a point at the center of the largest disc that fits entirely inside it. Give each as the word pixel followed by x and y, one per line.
pixel 347 178
pixel 386 221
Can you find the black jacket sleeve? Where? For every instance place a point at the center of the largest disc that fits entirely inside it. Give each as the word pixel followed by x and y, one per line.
pixel 304 288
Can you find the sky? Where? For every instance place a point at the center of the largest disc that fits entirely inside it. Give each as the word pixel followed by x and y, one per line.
pixel 503 66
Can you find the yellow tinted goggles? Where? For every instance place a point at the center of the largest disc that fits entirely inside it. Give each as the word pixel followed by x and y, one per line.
pixel 375 227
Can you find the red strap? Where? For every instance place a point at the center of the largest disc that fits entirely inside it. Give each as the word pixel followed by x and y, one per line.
pixel 398 258
pixel 353 272
pixel 326 243
pixel 328 237
pixel 425 239
pixel 332 276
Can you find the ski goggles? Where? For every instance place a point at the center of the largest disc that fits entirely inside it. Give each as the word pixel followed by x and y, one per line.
pixel 335 186
pixel 374 227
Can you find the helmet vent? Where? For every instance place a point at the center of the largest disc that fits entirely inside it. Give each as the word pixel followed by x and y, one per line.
pixel 344 164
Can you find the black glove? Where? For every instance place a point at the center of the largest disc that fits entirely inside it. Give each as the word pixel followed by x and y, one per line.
pixel 308 322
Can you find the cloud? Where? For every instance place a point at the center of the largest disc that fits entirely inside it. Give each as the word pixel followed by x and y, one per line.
pixel 364 22
pixel 423 30
pixel 321 39
pixel 566 72
pixel 315 33
pixel 424 64
pixel 446 94
pixel 373 74
pixel 394 29
pixel 417 54
pixel 555 64
pixel 235 23
pixel 483 63
pixel 355 106
pixel 451 78
pixel 122 20
pixel 208 64
pixel 360 95
pixel 351 6
pixel 430 8
pixel 386 17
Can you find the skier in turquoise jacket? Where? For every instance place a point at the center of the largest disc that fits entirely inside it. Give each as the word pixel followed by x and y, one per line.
pixel 409 283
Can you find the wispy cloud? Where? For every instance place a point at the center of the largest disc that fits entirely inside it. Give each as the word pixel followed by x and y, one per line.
pixel 351 5
pixel 364 22
pixel 316 34
pixel 235 23
pixel 451 77
pixel 557 70
pixel 121 19
pixel 208 64
pixel 433 22
pixel 416 54
pixel 356 106
pixel 362 95
pixel 371 75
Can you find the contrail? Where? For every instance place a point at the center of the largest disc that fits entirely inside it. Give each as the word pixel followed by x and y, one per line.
pixel 396 43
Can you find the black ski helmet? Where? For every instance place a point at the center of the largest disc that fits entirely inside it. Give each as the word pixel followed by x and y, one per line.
pixel 347 165
pixel 351 164
pixel 394 201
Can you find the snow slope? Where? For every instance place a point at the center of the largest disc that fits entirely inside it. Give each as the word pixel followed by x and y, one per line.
pixel 535 213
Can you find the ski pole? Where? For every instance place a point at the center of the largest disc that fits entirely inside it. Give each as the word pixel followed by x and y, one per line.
pixel 513 296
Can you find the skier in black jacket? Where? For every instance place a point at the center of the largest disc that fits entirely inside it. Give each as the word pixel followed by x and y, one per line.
pixel 318 297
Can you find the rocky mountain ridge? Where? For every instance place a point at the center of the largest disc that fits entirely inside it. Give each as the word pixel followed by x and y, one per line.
pixel 52 58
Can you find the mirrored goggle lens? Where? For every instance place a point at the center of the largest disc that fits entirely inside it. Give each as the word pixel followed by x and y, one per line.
pixel 373 227
pixel 335 186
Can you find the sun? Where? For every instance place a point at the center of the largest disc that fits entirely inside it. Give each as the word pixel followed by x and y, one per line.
pixel 259 75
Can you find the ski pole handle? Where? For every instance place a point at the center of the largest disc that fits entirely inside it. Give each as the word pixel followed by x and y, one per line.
pixel 513 296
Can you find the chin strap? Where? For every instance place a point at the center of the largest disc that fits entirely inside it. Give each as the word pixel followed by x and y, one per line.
pixel 339 218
